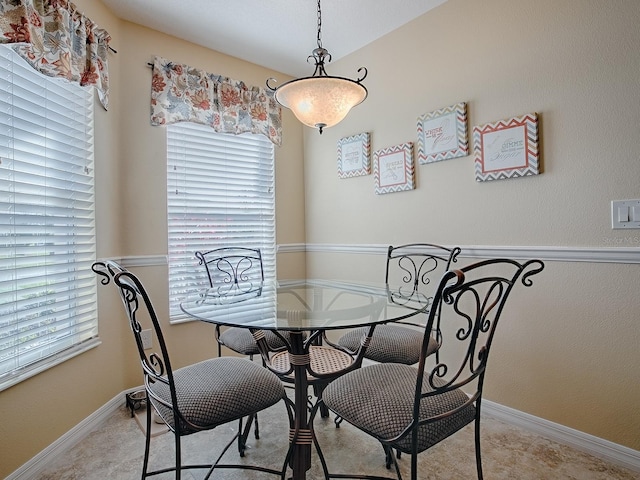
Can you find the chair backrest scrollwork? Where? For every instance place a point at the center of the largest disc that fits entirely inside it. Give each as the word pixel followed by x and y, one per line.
pixel 413 271
pixel 469 303
pixel 233 271
pixel 412 275
pixel 156 365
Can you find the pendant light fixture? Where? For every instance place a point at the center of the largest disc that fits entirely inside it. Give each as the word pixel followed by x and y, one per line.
pixel 320 101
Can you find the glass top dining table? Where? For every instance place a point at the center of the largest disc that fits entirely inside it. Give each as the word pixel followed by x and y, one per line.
pixel 302 305
pixel 301 311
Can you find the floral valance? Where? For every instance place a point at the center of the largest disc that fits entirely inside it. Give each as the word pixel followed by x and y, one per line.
pixel 58 41
pixel 180 93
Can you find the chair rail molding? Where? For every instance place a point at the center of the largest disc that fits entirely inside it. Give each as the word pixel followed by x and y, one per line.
pixel 141 261
pixel 545 253
pixel 626 255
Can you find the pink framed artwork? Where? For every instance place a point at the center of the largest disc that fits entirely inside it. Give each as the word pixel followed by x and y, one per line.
pixel 507 148
pixel 393 169
pixel 354 155
pixel 442 134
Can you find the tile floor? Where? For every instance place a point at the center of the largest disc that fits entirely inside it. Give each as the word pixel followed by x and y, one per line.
pixel 114 451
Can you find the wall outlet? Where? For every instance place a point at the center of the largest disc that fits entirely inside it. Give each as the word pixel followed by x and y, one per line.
pixel 147 339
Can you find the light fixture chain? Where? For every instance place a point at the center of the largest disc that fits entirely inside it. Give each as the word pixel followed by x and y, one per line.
pixel 320 101
pixel 319 26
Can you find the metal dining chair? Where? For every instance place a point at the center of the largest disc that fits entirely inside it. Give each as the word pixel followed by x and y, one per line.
pixel 198 397
pixel 236 271
pixel 412 408
pixel 412 272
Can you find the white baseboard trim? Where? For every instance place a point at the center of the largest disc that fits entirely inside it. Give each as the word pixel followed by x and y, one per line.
pixel 42 460
pixel 598 447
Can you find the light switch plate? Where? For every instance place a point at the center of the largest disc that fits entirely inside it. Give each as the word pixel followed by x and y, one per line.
pixel 625 214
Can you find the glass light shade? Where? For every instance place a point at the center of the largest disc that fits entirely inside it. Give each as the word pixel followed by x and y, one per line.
pixel 321 101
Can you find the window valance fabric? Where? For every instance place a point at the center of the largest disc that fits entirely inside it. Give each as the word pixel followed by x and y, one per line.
pixel 180 93
pixel 58 41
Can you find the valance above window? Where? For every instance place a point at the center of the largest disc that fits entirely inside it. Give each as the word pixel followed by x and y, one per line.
pixel 58 41
pixel 180 93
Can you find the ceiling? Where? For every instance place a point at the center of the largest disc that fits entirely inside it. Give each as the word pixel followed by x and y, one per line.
pixel 277 34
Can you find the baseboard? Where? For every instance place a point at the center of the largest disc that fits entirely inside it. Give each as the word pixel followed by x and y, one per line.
pixel 598 447
pixel 37 464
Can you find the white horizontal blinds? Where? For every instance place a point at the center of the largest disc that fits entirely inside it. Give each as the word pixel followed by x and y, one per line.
pixel 220 193
pixel 47 228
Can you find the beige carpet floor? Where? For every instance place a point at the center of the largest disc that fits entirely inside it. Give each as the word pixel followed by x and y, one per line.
pixel 114 451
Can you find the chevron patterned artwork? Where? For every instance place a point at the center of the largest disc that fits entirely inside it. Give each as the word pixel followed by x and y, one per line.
pixel 354 155
pixel 507 148
pixel 393 169
pixel 442 134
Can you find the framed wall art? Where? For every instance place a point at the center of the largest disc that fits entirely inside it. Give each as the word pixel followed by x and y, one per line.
pixel 354 156
pixel 393 168
pixel 442 134
pixel 506 149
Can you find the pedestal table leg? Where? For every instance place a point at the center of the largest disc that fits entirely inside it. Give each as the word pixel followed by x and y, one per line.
pixel 301 458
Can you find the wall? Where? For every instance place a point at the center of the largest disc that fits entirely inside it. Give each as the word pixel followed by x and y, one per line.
pixel 144 157
pixel 37 411
pixel 567 351
pixel 131 221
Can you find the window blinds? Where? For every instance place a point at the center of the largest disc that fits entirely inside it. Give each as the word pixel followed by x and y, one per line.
pixel 220 193
pixel 47 227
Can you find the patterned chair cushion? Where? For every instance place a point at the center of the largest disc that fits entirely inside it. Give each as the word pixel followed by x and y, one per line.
pixel 390 344
pixel 378 399
pixel 241 341
pixel 217 391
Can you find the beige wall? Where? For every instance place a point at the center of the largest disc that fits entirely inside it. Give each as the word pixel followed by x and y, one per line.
pixel 131 221
pixel 37 411
pixel 575 62
pixel 568 353
pixel 569 350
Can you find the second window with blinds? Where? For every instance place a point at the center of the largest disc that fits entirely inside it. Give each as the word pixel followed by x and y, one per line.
pixel 220 193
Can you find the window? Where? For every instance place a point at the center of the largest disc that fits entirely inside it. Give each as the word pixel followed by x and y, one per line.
pixel 47 232
pixel 220 193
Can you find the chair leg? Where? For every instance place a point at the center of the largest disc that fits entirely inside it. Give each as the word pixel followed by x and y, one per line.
pixel 317 391
pixel 390 460
pixel 414 466
pixel 388 456
pixel 256 428
pixel 243 433
pixel 217 337
pixel 178 456
pixel 478 453
pixel 147 441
